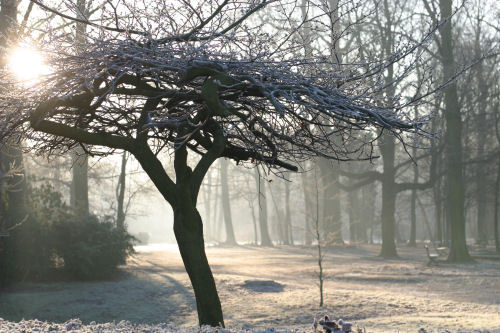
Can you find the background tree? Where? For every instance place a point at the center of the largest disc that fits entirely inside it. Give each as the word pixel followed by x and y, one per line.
pixel 13 184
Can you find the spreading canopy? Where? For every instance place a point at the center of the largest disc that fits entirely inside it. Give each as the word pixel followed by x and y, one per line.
pixel 223 77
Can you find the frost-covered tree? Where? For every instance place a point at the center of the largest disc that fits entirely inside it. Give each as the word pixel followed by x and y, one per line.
pixel 208 78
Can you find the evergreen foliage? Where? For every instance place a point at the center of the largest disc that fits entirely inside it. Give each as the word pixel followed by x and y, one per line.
pixel 53 240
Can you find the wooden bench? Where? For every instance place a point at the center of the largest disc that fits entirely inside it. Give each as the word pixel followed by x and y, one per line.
pixel 433 257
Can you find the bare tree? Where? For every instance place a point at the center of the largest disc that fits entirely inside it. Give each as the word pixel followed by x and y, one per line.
pixel 211 79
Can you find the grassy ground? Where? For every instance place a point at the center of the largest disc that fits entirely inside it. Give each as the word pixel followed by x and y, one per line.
pixel 277 287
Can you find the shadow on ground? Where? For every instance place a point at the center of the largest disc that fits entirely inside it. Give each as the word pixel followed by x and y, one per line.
pixel 137 296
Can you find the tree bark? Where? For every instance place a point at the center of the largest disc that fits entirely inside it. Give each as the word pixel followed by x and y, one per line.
pixel 389 193
pixel 13 193
pixel 413 209
pixel 288 215
pixel 354 223
pixel 188 227
pixel 388 151
pixel 455 191
pixel 226 205
pixel 481 180
pixel 280 220
pixel 79 198
pixel 332 223
pixel 497 204
pixel 188 230
pixel 308 210
pixel 120 193
pixel 265 239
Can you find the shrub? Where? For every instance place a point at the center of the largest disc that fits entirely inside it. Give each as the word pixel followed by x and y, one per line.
pixel 91 248
pixel 53 238
pixel 28 253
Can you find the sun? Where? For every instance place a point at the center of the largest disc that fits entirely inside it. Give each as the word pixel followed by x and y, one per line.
pixel 27 64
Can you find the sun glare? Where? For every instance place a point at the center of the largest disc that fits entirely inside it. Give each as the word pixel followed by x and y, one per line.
pixel 27 64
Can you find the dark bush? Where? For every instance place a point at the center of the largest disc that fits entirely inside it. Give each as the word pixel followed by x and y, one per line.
pixel 28 252
pixel 91 248
pixel 52 239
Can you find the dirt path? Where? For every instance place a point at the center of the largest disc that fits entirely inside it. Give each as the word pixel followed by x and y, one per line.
pixel 277 287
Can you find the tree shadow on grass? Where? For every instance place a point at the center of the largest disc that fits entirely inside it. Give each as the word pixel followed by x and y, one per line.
pixel 139 297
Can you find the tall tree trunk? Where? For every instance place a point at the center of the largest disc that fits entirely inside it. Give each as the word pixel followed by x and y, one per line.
pixel 353 216
pixel 413 209
pixel 455 192
pixel 265 239
pixel 387 148
pixel 367 209
pixel 120 193
pixel 254 222
pixel 288 214
pixel 497 206
pixel 481 180
pixel 496 202
pixel 332 223
pixel 438 210
pixel 280 220
pixel 13 193
pixel 79 198
pixel 226 205
pixel 308 209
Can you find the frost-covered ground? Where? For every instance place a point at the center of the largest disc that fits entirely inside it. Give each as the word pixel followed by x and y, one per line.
pixel 263 287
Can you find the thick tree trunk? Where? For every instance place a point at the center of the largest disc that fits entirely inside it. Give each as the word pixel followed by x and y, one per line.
pixel 332 224
pixel 226 205
pixel 368 195
pixel 188 226
pixel 79 198
pixel 353 216
pixel 13 192
pixel 413 209
pixel 412 242
pixel 388 149
pixel 280 219
pixel 265 239
pixel 438 212
pixel 254 221
pixel 188 229
pixel 120 193
pixel 481 180
pixel 455 192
